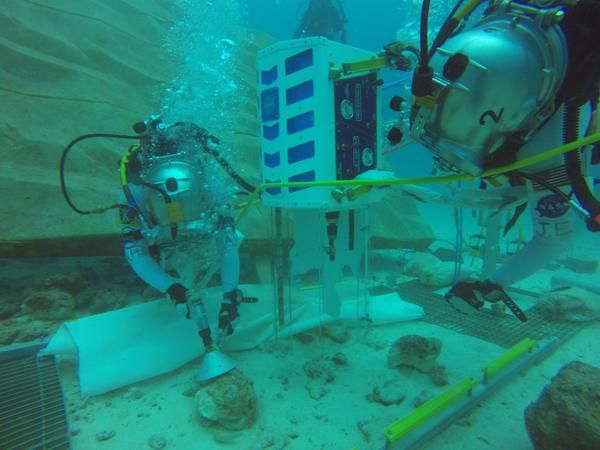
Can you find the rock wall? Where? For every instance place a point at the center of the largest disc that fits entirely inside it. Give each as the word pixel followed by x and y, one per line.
pixel 71 68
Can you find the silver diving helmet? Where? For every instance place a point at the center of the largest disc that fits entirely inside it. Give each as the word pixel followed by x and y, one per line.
pixel 170 179
pixel 496 78
pixel 174 191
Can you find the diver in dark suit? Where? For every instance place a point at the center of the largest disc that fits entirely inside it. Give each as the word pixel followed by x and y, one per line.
pixel 323 18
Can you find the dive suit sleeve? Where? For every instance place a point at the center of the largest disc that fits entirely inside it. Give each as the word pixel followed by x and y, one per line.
pixel 228 241
pixel 137 253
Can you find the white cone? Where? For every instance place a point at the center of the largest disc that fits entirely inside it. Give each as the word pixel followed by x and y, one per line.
pixel 213 365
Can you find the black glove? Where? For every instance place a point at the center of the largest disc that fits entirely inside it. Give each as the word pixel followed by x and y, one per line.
pixel 229 310
pixel 476 293
pixel 177 294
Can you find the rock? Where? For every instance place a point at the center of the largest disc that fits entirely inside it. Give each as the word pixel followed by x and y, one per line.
pixel 442 274
pixel 72 282
pixel 391 392
pixel 420 262
pixel 107 299
pixel 363 427
pixel 414 351
pixel 9 304
pixel 423 397
pixel 305 338
pixel 36 330
pixel 134 393
pixel 439 377
pixel 337 333
pixel 229 401
pixel 316 389
pixel 567 413
pixel 49 304
pixel 105 435
pixel 281 346
pixel 157 442
pixel 570 304
pixel 320 368
pixel 8 336
pixel 339 359
pixel 190 391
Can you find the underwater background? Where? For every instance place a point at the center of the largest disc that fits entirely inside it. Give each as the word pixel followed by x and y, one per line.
pixel 71 68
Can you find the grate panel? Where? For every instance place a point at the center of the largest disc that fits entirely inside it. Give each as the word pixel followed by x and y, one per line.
pixel 504 331
pixel 32 409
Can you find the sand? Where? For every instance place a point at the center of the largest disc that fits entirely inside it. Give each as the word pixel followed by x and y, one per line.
pixel 343 418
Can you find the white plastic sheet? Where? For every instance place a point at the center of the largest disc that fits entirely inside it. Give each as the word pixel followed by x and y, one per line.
pixel 118 348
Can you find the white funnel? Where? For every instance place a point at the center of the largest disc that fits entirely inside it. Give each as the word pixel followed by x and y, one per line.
pixel 213 365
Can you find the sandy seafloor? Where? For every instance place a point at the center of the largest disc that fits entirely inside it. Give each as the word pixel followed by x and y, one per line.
pixel 289 418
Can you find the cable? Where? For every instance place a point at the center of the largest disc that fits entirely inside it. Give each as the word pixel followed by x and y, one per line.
pixel 230 170
pixel 423 31
pixel 61 169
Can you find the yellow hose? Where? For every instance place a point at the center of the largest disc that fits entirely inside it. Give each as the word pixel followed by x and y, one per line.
pixel 443 179
pixel 466 10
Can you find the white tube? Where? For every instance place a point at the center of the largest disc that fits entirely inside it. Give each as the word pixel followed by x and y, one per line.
pixel 588 282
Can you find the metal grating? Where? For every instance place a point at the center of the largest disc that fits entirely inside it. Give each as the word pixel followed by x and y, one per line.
pixel 505 330
pixel 32 413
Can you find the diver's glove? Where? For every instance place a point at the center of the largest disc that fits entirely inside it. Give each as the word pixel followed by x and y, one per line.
pixel 177 294
pixel 229 314
pixel 476 293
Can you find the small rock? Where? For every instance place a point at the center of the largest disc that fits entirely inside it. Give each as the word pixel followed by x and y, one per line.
pixel 189 391
pixel 439 377
pixel 464 422
pixel 391 392
pixel 134 393
pixel 423 397
pixel 414 351
pixel 363 427
pixel 304 338
pixel 337 333
pixel 280 346
pixel 105 435
pixel 8 336
pixel 339 359
pixel 157 442
pixel 74 432
pixel 319 368
pixel 316 389
pixel 49 304
pixel 569 304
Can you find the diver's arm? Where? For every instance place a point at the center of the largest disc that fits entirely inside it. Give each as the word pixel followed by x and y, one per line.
pixel 137 253
pixel 553 224
pixel 228 240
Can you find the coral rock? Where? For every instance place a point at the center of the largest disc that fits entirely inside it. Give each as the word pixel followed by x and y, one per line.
pixel 391 392
pixel 567 413
pixel 229 401
pixel 416 352
pixel 49 304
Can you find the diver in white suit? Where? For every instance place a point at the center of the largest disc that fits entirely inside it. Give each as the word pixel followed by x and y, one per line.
pixel 168 200
pixel 522 79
